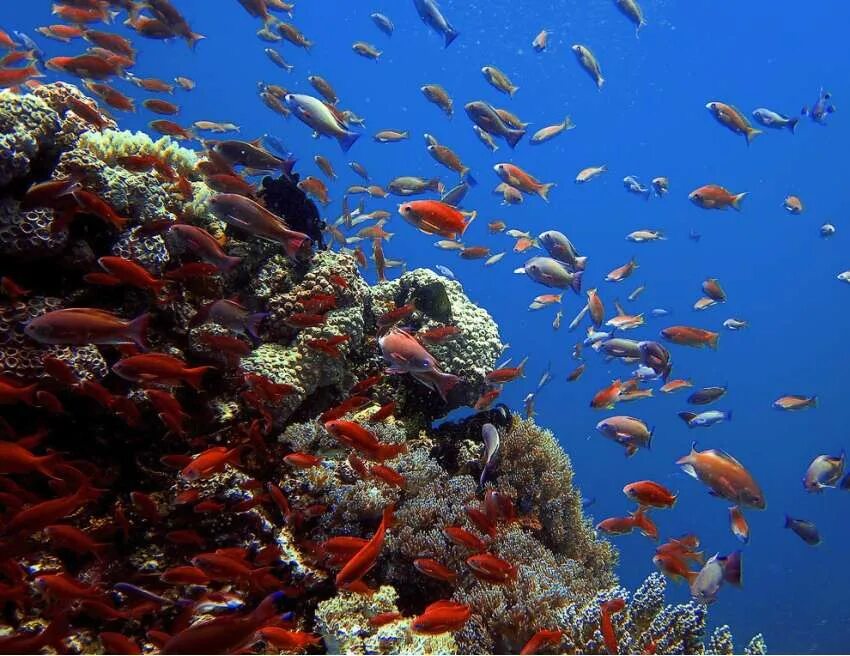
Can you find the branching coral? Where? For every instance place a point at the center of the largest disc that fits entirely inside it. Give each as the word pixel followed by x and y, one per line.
pixel 239 465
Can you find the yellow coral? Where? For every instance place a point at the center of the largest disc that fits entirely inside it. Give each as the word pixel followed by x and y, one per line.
pixel 112 144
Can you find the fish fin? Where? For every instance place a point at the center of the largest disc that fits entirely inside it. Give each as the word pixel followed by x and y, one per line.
pixel 688 468
pixel 253 322
pixel 792 124
pixel 752 133
pixel 195 376
pixel 687 416
pixel 513 137
pixel 466 225
pixel 804 111
pixel 737 199
pixel 728 415
pixel 467 177
pixel 347 139
pixel 450 35
pixel 544 190
pixel 137 331
pixel 712 342
pixel 575 283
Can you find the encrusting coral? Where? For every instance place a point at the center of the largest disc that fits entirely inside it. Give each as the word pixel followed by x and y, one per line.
pixel 237 486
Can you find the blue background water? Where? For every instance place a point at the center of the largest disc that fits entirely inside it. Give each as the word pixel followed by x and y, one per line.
pixel 649 120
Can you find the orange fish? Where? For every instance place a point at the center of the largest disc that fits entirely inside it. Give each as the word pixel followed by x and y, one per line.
pixel 388 475
pixel 650 494
pixel 354 435
pixel 86 66
pixel 441 617
pixel 39 515
pixel 382 619
pixel 360 564
pixel 715 197
pixel 507 374
pixel 673 566
pixel 738 524
pixel 130 273
pixel 435 218
pixel 724 476
pixel 594 305
pixel 522 180
pixel 171 129
pixel 294 641
pixel 12 77
pixel 608 396
pixel 111 96
pixel 15 459
pixel 675 385
pixel 302 460
pixel 621 273
pixel 689 336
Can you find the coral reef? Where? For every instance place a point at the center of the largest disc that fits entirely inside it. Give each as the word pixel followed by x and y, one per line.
pixel 215 469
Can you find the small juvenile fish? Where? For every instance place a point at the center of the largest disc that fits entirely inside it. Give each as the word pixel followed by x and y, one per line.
pixel 771 119
pixel 212 126
pixel 622 272
pixel 588 62
pixel 486 117
pixel 705 419
pixel 439 96
pixel 552 131
pixel 383 23
pixel 735 324
pixel 278 59
pixel 795 402
pixel 494 258
pixel 805 530
pixel 793 204
pixel 366 50
pixel 661 185
pixel 359 169
pixel 587 174
pixel 637 292
pixel 706 395
pixel 390 136
pixel 640 236
pixel 486 138
pixel 631 10
pixel 541 41
pixel 633 186
pixel 821 109
pixel 738 524
pixel 827 230
pixel 499 80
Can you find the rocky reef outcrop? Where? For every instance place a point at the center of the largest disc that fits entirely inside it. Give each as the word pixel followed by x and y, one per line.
pixel 196 500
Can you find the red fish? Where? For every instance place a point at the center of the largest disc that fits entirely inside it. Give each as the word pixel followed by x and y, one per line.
pixel 188 537
pixel 442 616
pixel 159 369
pixel 223 634
pixel 689 336
pixel 36 517
pixel 541 639
pixel 304 320
pixel 492 568
pixel 145 506
pixel 11 392
pixel 388 475
pixel 144 163
pixel 227 183
pixel 82 12
pixel 12 289
pixel 73 539
pixel 252 217
pixel 302 460
pixel 79 326
pixel 114 42
pixel 185 575
pixel 435 569
pixel 130 273
pixel 328 346
pixel 437 335
pixel 294 641
pixel 608 396
pixel 205 246
pixel 171 129
pixel 673 566
pixel 118 643
pixel 86 66
pixel 738 524
pixel 351 404
pixel 506 374
pixel 360 564
pixel 395 315
pixel 111 96
pixel 318 303
pixel 482 521
pixel 463 538
pixel 210 462
pixel 12 77
pixel 354 435
pixel 367 383
pixel 192 271
pixel 607 609
pixel 385 411
pixel 158 106
pixel 382 619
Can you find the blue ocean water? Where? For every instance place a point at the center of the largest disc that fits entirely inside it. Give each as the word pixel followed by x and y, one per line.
pixel 649 120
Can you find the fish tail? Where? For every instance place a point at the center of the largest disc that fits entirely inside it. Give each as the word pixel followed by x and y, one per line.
pixel 195 376
pixel 137 330
pixel 752 133
pixel 466 176
pixel 513 137
pixel 252 324
pixel 347 139
pixel 450 35
pixel 792 124
pixel 472 216
pixel 581 262
pixel 713 340
pixel 45 465
pixel 737 199
pixel 544 189
pixel 575 283
pixel 568 123
pixel 599 82
pixel 229 262
pixel 728 415
pixel 193 39
pixel 388 516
